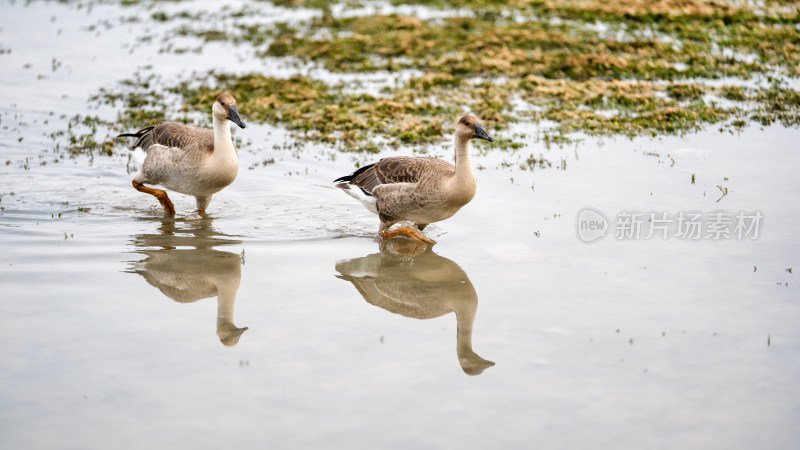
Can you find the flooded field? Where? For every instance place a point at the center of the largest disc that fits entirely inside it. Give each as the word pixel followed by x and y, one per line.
pixel 551 313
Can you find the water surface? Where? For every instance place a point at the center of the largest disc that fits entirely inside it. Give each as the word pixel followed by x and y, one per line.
pixel 281 319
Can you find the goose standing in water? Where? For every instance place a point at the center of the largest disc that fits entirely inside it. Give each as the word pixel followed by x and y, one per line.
pixel 417 189
pixel 190 160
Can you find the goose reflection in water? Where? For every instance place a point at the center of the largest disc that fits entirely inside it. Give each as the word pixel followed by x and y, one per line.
pixel 422 286
pixel 190 274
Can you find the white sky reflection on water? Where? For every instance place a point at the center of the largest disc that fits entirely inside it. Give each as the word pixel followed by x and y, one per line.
pixel 642 344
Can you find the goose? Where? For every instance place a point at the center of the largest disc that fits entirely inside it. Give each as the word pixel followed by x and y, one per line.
pixel 190 160
pixel 424 287
pixel 421 190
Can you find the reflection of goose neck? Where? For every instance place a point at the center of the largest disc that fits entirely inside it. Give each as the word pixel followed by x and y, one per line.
pixel 471 363
pixel 228 333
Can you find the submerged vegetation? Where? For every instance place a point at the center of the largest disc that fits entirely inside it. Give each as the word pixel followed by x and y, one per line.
pixel 594 67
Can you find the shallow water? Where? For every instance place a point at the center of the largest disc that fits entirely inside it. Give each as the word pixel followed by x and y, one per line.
pixel 118 324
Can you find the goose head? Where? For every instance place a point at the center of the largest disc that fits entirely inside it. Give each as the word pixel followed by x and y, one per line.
pixel 469 127
pixel 225 109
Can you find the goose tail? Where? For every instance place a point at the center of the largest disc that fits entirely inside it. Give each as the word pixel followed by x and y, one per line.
pixel 349 178
pixel 361 194
pixel 143 138
pixel 369 201
pixel 345 178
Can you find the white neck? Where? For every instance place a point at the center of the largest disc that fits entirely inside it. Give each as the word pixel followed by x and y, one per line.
pixel 465 177
pixel 222 135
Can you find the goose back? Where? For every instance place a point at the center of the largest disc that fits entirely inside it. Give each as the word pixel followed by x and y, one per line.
pixel 174 135
pixel 398 169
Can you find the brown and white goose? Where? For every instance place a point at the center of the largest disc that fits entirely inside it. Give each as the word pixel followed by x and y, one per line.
pixel 190 160
pixel 417 189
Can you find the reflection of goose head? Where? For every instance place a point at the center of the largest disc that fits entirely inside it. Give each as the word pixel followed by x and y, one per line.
pixel 422 287
pixel 188 275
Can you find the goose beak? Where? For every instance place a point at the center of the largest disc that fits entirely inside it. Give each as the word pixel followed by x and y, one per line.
pixel 480 133
pixel 233 116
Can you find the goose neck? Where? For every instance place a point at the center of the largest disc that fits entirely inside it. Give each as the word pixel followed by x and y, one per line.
pixel 464 175
pixel 222 134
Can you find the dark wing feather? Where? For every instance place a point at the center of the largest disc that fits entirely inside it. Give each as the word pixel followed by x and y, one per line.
pixel 170 134
pixel 399 169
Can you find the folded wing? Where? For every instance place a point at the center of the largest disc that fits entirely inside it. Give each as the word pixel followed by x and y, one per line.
pixel 400 169
pixel 175 135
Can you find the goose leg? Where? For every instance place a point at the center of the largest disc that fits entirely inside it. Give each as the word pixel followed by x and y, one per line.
pixel 157 193
pixel 407 232
pixel 202 204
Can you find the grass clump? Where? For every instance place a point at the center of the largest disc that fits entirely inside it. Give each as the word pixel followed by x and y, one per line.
pixel 597 67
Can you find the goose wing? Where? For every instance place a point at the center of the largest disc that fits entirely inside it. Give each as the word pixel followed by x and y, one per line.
pixel 399 169
pixel 175 135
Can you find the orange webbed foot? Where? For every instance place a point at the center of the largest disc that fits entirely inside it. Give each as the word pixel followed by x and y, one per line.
pixel 406 232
